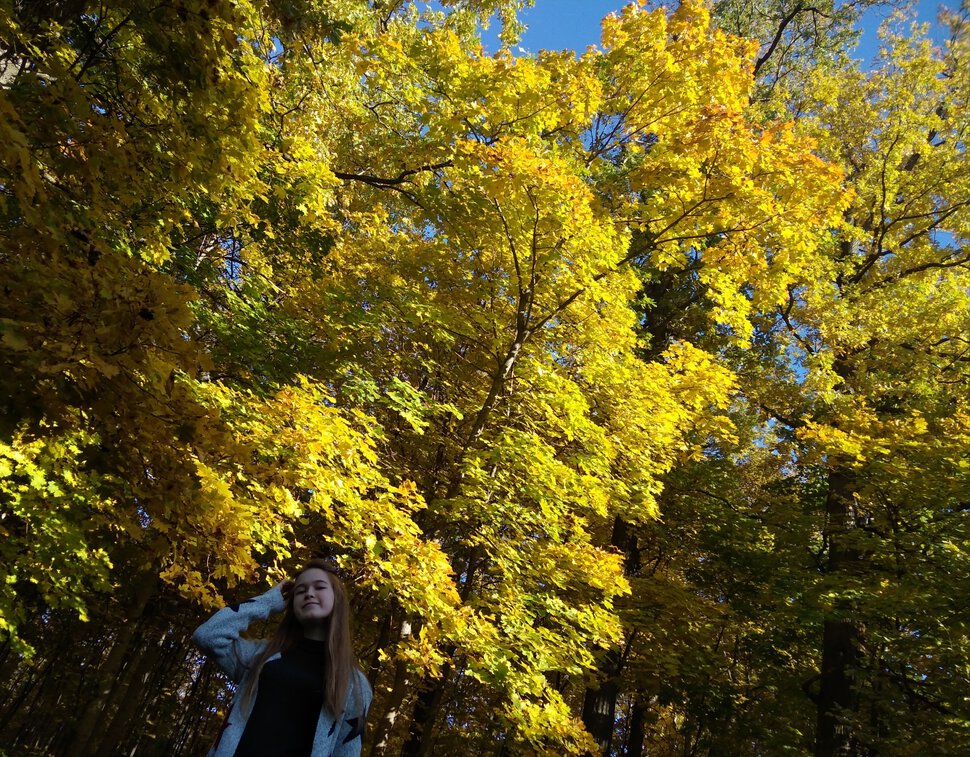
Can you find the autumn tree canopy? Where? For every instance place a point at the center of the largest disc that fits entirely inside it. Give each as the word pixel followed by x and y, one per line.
pixel 629 387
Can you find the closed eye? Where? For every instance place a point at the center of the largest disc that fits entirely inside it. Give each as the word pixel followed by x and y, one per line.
pixel 303 588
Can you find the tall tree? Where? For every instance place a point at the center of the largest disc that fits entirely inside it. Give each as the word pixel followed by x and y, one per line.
pixel 793 534
pixel 868 381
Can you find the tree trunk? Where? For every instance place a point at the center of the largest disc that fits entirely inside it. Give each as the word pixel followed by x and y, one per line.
pixel 107 674
pixel 599 704
pixel 423 718
pixel 638 730
pixel 32 681
pixel 383 641
pixel 842 635
pixel 429 699
pixel 841 640
pixel 384 726
pixel 192 725
pixel 18 692
pixel 126 700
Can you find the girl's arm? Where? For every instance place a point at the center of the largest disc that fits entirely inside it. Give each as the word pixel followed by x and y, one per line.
pixel 219 637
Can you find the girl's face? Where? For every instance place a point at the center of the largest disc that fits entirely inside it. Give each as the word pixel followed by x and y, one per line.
pixel 312 597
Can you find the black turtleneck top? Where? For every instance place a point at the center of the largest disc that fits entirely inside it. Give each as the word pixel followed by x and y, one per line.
pixel 289 697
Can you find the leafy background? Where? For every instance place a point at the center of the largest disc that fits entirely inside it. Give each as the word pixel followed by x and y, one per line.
pixel 629 388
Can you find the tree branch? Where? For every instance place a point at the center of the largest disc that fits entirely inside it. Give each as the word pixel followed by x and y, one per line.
pixel 380 181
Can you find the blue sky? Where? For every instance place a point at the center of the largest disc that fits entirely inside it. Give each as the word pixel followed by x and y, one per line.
pixel 574 24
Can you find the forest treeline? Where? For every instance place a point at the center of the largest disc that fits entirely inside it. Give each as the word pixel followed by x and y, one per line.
pixel 629 388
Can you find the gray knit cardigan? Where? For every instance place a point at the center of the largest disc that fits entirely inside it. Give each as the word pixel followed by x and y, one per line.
pixel 220 638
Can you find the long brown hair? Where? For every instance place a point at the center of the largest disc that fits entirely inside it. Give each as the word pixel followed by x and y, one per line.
pixel 341 664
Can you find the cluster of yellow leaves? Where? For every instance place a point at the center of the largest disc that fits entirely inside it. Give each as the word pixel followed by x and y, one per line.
pixel 702 177
pixel 45 533
pixel 107 181
pixel 889 310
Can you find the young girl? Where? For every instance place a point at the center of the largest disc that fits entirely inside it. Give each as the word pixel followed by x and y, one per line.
pixel 301 693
